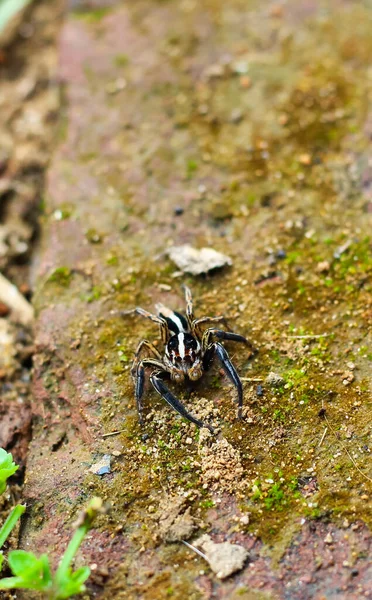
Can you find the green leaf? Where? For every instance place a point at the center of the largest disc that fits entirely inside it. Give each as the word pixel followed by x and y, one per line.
pixel 1 560
pixel 72 583
pixel 22 562
pixel 11 583
pixel 80 575
pixel 33 573
pixel 7 468
pixel 10 523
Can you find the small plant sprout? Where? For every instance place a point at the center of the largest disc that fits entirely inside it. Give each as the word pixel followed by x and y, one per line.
pixel 8 468
pixel 32 573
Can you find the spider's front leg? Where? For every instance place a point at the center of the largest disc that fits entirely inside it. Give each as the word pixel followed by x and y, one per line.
pixel 156 379
pixel 220 334
pixel 189 305
pixel 197 324
pixel 216 349
pixel 138 374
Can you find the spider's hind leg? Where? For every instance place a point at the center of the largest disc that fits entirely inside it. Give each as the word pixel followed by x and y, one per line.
pixel 164 330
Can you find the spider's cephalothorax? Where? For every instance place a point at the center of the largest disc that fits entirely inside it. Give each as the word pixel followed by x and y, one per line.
pixel 189 349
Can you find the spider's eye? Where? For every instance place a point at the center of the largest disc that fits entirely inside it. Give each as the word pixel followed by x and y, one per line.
pixel 190 343
pixel 172 344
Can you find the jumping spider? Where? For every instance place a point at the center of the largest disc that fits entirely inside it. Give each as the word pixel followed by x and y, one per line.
pixel 188 351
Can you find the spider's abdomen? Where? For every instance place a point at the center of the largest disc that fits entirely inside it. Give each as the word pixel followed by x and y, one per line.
pixel 175 321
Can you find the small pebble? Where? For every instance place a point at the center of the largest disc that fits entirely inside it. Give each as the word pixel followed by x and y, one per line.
pixel 241 67
pixel 25 289
pixel 214 71
pixel 328 539
pixel 102 467
pixel 197 261
pixel 113 87
pixel 4 310
pixel 245 82
pixel 348 377
pixel 274 379
pixel 323 267
pixel 236 116
pixel 276 11
pixel 164 287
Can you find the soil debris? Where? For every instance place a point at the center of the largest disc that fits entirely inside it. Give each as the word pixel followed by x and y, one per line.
pixel 193 261
pixel 175 520
pixel 323 267
pixel 7 345
pixel 222 469
pixel 224 558
pixel 274 379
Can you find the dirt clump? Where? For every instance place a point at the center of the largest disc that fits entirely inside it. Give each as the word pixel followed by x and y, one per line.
pixel 224 558
pixel 175 520
pixel 222 469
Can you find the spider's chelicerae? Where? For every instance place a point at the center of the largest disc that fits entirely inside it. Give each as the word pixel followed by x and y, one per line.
pixel 189 349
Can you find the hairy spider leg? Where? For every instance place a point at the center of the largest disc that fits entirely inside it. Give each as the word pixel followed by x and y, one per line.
pixel 146 345
pixel 166 394
pixel 138 374
pixel 189 306
pixel 211 333
pixel 197 323
pixel 216 349
pixel 164 329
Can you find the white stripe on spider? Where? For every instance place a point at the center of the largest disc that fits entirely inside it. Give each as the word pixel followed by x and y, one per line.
pixel 169 314
pixel 181 344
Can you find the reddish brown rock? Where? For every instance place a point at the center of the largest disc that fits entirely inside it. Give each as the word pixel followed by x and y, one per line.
pixel 145 131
